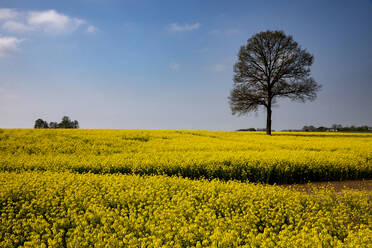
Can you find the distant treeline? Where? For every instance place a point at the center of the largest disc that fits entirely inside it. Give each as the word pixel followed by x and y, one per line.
pixel 65 123
pixel 336 128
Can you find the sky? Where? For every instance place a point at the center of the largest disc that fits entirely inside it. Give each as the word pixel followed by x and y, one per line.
pixel 135 64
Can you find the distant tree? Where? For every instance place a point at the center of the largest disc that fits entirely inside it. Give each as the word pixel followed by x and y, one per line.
pixel 252 129
pixel 272 65
pixel 65 123
pixel 75 124
pixel 321 129
pixel 310 128
pixel 53 125
pixel 68 123
pixel 39 123
pixel 363 128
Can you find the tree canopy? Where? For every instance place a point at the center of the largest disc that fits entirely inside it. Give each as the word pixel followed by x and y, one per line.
pixel 40 123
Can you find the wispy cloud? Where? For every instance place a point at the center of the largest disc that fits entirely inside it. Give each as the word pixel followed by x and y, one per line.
pixel 17 27
pixel 214 32
pixel 174 66
pixel 9 45
pixel 49 21
pixel 91 29
pixel 218 68
pixel 8 14
pixel 175 27
pixel 222 65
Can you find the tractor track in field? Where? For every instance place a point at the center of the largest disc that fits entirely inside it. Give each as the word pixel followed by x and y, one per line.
pixel 337 186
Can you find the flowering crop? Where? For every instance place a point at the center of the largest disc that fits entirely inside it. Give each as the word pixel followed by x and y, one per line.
pixel 63 209
pixel 256 157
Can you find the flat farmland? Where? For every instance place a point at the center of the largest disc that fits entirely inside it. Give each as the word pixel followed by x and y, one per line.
pixel 244 156
pixel 154 188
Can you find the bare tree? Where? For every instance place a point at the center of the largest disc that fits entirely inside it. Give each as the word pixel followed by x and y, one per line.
pixel 270 66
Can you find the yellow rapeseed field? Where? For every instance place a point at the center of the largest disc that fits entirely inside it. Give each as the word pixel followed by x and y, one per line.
pixel 134 188
pixel 45 209
pixel 256 157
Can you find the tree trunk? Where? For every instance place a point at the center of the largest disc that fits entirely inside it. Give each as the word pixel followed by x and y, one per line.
pixel 268 121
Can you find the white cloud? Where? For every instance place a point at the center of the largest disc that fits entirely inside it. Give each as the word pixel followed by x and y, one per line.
pixel 14 26
pixel 8 45
pixel 52 21
pixel 174 66
pixel 7 14
pixel 91 29
pixel 175 27
pixel 49 21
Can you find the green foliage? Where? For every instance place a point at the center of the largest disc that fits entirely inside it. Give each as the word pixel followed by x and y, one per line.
pixel 65 123
pixel 71 210
pixel 39 123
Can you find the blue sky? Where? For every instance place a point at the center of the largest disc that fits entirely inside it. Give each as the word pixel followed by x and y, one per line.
pixel 168 64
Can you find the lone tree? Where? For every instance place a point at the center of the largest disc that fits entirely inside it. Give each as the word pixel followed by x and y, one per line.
pixel 270 66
